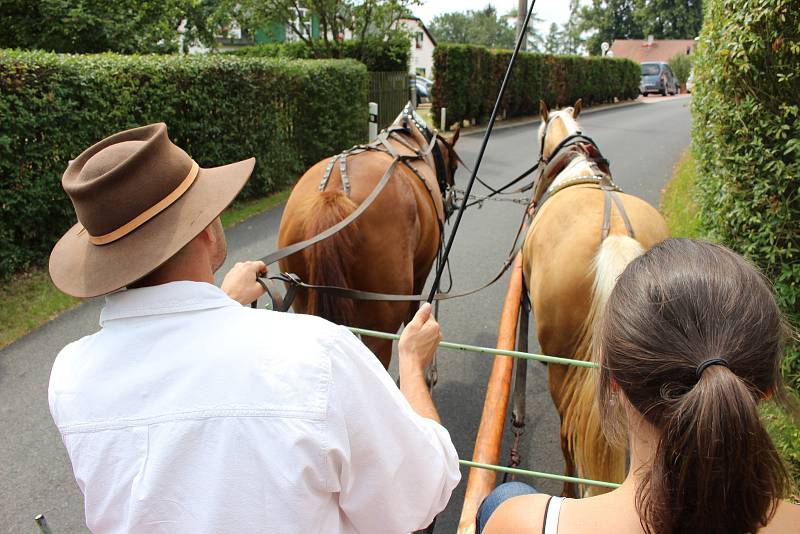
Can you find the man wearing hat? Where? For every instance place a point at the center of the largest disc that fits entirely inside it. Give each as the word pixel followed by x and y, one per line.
pixel 188 412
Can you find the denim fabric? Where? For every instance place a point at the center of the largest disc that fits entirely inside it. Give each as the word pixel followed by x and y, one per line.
pixel 499 495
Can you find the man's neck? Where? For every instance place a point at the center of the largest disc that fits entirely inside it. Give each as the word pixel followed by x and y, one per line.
pixel 186 266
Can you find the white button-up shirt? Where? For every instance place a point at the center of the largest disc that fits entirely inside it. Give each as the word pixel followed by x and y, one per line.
pixel 188 412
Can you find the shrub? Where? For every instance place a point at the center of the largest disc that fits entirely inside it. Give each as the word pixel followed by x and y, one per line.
pixel 746 138
pixel 288 114
pixel 468 78
pixel 681 65
pixel 377 54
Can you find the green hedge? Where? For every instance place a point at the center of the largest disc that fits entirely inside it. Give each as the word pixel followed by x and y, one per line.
pixel 468 78
pixel 746 138
pixel 288 114
pixel 376 53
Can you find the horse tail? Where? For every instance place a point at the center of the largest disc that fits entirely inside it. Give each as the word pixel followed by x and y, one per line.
pixel 329 260
pixel 595 457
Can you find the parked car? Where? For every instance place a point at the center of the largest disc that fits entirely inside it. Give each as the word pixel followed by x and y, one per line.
pixel 657 77
pixel 428 83
pixel 424 86
pixel 423 90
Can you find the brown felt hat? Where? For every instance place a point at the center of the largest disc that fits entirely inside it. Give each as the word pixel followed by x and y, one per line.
pixel 139 200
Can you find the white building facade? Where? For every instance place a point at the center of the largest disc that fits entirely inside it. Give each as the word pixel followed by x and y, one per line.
pixel 422 45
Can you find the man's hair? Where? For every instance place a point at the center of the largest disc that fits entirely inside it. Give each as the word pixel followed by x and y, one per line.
pixel 684 302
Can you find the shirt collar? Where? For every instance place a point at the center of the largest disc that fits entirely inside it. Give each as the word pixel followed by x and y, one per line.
pixel 173 297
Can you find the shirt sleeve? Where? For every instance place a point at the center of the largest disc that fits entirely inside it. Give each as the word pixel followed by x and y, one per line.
pixel 393 469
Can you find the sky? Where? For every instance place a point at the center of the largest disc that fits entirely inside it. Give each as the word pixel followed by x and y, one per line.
pixel 550 10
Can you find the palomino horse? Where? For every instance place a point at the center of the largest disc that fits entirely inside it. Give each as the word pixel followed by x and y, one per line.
pixel 391 247
pixel 579 242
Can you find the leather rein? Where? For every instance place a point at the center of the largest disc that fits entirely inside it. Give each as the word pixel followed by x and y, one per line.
pixel 381 144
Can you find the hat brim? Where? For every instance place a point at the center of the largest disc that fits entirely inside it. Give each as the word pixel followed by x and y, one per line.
pixel 82 269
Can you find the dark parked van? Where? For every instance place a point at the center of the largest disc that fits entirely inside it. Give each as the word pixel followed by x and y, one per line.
pixel 657 77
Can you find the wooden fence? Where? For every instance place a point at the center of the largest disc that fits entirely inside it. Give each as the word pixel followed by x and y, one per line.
pixel 391 91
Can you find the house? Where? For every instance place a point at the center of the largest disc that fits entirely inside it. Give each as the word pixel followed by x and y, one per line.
pixel 422 45
pixel 275 32
pixel 641 50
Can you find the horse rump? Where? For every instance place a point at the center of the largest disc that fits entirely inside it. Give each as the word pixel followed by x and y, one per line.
pixel 329 260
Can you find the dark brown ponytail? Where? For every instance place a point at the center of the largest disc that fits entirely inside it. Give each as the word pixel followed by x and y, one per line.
pixel 679 305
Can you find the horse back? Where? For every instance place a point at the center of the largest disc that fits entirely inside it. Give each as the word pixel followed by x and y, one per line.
pixel 558 255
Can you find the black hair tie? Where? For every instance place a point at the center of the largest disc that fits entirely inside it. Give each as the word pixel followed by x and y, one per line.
pixel 708 363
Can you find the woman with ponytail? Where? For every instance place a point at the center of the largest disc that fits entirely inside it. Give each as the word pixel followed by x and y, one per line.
pixel 689 343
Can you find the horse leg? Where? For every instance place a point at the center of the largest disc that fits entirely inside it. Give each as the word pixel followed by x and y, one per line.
pixel 560 393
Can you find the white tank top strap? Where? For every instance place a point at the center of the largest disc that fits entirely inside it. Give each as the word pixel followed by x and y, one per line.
pixel 551 514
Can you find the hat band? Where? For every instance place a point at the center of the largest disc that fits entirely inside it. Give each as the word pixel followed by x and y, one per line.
pixel 150 212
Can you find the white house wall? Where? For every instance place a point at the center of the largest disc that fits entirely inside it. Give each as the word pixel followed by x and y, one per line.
pixel 421 61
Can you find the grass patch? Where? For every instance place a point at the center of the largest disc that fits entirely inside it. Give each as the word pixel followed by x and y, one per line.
pixel 240 211
pixel 30 299
pixel 680 209
pixel 678 200
pixel 786 437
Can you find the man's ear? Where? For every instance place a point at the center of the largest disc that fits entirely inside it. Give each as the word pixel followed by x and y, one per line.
pixel 456 134
pixel 543 111
pixel 576 109
pixel 208 234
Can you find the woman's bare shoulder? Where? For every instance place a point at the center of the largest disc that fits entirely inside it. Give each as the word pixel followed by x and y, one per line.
pixel 521 514
pixel 785 521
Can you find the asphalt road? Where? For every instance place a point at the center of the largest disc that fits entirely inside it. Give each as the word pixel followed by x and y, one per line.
pixel 643 142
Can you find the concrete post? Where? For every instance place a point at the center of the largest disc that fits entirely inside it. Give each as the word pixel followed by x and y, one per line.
pixel 443 124
pixel 373 120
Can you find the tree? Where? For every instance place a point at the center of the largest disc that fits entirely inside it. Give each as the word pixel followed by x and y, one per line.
pixel 633 19
pixel 672 19
pixel 534 40
pixel 554 42
pixel 571 31
pixel 611 19
pixel 681 65
pixel 338 19
pixel 482 27
pixel 93 25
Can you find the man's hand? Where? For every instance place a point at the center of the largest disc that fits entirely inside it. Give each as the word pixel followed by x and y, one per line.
pixel 240 283
pixel 419 340
pixel 417 345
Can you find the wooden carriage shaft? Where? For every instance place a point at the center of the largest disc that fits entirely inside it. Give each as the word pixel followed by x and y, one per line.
pixel 490 432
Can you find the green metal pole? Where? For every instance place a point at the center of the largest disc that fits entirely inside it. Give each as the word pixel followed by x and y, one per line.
pixel 484 350
pixel 539 474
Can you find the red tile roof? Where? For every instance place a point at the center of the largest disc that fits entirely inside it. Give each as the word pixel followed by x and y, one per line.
pixel 660 50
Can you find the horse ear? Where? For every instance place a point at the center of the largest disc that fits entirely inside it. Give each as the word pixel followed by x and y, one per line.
pixel 456 134
pixel 576 109
pixel 543 111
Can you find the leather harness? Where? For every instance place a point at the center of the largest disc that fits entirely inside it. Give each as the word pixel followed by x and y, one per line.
pixel 571 147
pixel 431 154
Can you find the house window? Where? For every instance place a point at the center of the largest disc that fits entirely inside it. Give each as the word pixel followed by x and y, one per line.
pixel 418 37
pixel 302 22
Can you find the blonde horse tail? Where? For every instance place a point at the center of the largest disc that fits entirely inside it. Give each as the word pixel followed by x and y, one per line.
pixel 595 457
pixel 329 260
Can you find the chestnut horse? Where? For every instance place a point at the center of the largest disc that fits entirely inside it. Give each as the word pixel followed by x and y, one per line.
pixel 391 247
pixel 577 245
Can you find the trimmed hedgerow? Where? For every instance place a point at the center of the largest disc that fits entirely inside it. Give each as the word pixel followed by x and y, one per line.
pixel 374 52
pixel 288 114
pixel 746 139
pixel 468 78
